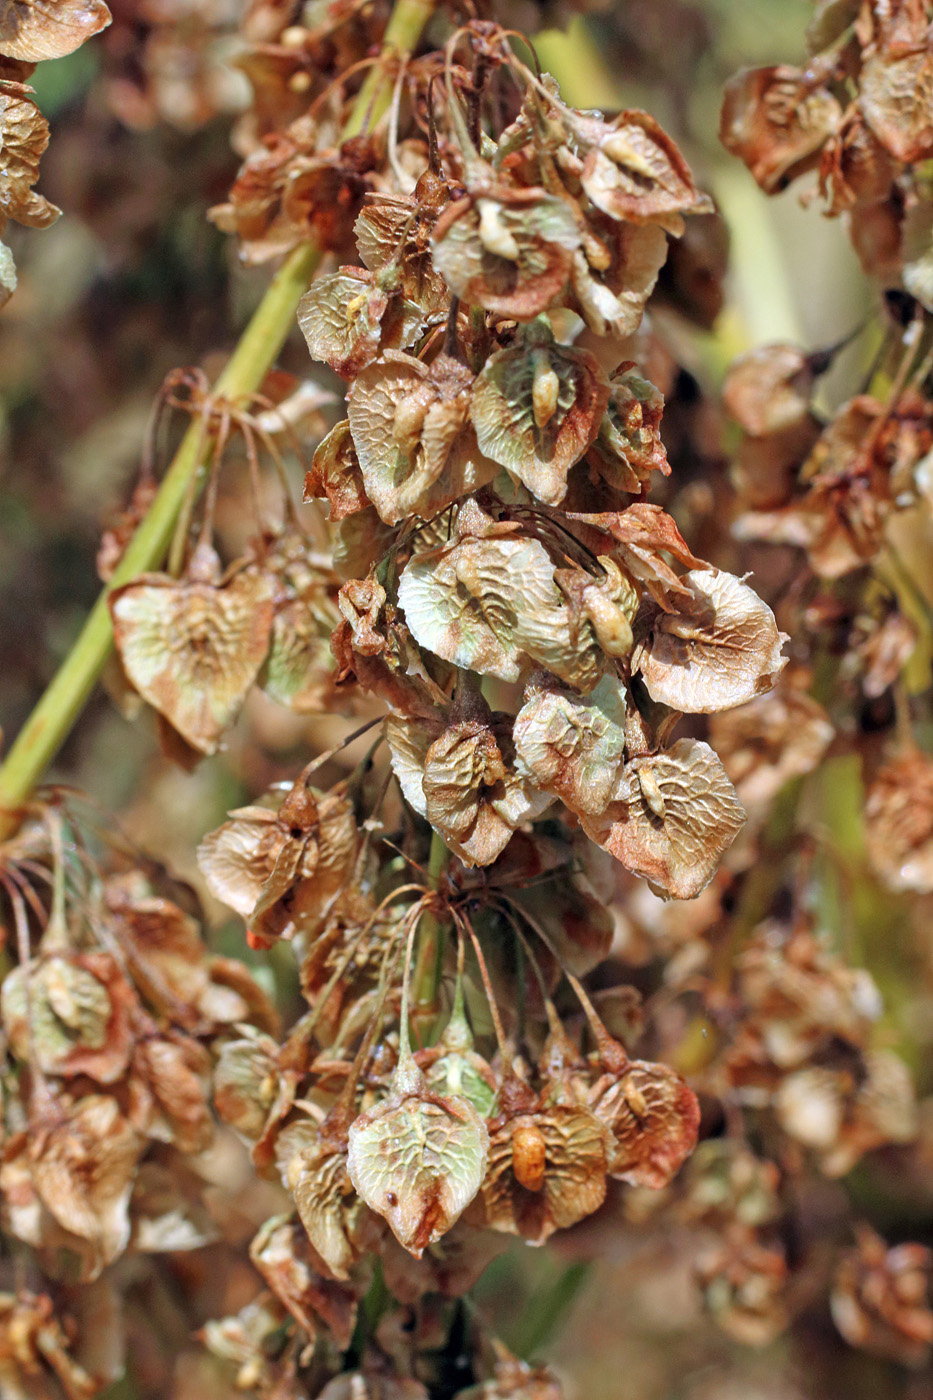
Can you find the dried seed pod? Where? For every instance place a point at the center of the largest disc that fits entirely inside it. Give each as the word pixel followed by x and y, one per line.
pixel 628 447
pixel 415 444
pixel 299 668
pixel 418 1160
pixel 768 741
pixel 169 1091
pixel 491 606
pixel 718 650
pixel 899 822
pixel 472 793
pixel 724 1182
pixel 80 1170
pixel 605 604
pixel 776 120
pixel 398 228
pixel 193 646
pixel 672 816
pixel 632 170
pixel 24 135
pixel 523 1197
pixel 570 745
pixel 281 1254
pixel 282 870
pixel 653 1116
pixel 347 319
pixel 335 473
pixel 508 250
pixel 31 30
pixel 744 1288
pixel 72 1014
pixel 614 273
pixel 536 407
pixel 841 1115
pixel 880 1298
pixel 318 1178
pixel 768 389
pixel 246 1083
pixel 896 99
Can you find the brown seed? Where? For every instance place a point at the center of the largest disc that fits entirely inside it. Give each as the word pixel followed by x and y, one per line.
pixel 529 1155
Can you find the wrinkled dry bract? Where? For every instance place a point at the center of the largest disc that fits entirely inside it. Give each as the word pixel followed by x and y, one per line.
pixel 415 445
pixel 899 823
pixel 418 1160
pixel 79 1170
pixel 654 1117
pixel 318 1178
pixel 31 30
pixel 880 1299
pixel 570 1152
pixel 24 135
pixel 614 273
pixel 193 647
pixel 349 317
pixel 672 816
pixel 571 745
pixel 72 1016
pixel 628 447
pixel 896 98
pixel 719 650
pixel 536 408
pixel 280 1252
pixel 491 605
pixel 282 871
pixel 509 250
pixel 634 171
pixel 768 389
pixel 776 121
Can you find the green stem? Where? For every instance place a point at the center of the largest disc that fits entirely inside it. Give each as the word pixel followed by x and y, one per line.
pixel 546 1309
pixel 427 975
pixel 57 711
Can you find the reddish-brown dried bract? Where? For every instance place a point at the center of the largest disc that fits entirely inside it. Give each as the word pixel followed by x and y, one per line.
pixel 282 870
pixel 24 135
pixel 899 823
pixel 547 1170
pixel 672 816
pixel 653 1116
pixel 31 30
pixel 193 646
pixel 776 120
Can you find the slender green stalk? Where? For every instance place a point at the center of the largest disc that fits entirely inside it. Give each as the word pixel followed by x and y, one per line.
pixel 546 1310
pixel 427 974
pixel 57 711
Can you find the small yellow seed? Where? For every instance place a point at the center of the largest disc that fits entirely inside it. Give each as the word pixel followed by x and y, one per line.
pixel 545 390
pixel 493 234
pixel 354 305
pixel 408 422
pixel 651 792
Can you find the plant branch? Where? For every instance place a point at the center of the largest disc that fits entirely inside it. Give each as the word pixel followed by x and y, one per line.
pixel 53 718
pixel 427 972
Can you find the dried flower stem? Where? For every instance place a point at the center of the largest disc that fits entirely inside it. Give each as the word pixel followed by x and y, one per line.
pixel 64 699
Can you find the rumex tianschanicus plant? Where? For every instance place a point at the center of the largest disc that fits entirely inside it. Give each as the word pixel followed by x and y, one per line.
pixel 532 647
